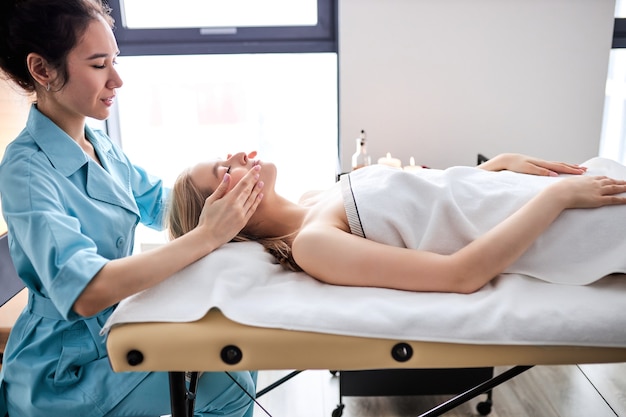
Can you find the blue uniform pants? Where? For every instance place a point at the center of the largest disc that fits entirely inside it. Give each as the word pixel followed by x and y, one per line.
pixel 217 395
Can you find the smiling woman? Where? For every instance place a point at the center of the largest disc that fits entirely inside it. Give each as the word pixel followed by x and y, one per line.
pixel 71 200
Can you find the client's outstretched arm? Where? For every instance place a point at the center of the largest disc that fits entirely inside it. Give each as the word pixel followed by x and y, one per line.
pixel 331 255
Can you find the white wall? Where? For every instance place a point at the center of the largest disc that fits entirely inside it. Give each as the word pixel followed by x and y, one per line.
pixel 442 80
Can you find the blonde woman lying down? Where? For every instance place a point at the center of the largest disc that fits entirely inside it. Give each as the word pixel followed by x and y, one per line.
pixel 449 230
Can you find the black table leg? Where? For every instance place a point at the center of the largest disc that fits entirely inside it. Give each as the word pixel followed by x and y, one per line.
pixel 477 390
pixel 178 394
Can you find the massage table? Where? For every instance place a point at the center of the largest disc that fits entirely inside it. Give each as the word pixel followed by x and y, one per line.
pixel 236 309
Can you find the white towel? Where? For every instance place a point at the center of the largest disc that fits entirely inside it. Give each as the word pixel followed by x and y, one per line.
pixel 243 282
pixel 444 210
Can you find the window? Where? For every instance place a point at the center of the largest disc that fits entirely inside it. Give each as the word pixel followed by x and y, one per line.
pixel 204 78
pixel 145 27
pixel 613 141
pixel 620 9
pixel 218 14
pixel 174 111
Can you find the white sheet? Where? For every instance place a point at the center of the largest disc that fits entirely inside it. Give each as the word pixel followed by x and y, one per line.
pixel 243 282
pixel 443 211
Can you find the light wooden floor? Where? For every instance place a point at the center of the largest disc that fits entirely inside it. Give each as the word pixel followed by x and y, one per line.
pixel 543 391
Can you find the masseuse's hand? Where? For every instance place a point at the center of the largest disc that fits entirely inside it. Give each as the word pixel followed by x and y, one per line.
pixel 226 213
pixel 528 165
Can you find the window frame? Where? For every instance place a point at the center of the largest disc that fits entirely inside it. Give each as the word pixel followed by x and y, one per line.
pixel 619 33
pixel 234 40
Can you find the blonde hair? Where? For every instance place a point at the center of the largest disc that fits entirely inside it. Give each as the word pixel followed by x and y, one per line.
pixel 185 206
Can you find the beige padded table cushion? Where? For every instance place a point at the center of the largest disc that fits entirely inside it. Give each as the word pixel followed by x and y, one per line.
pixel 196 346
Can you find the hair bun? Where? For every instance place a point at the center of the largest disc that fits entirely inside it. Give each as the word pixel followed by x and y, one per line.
pixel 7 7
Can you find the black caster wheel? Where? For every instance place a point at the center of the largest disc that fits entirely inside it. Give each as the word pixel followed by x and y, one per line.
pixel 483 408
pixel 337 412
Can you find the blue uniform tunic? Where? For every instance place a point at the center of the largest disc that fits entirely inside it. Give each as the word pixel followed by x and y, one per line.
pixel 67 217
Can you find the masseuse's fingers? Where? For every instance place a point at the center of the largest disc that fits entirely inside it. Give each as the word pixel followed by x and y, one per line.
pixel 226 213
pixel 247 195
pixel 244 194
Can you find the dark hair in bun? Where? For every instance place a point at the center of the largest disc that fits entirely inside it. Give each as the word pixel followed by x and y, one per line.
pixel 50 28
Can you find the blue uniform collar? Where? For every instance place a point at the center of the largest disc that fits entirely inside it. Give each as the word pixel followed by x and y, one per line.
pixel 62 151
pixel 67 157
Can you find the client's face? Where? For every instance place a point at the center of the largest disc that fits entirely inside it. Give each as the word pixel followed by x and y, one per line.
pixel 207 176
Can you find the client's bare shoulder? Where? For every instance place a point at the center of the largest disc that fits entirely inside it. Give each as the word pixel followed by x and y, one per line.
pixel 310 198
pixel 326 209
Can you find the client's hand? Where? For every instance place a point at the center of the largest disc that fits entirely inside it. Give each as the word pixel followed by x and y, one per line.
pixel 226 213
pixel 528 165
pixel 589 192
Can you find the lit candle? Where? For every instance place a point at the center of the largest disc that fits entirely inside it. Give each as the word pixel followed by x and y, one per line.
pixel 412 166
pixel 392 162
